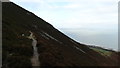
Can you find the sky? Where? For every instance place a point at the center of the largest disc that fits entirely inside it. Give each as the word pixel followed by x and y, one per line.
pixel 88 21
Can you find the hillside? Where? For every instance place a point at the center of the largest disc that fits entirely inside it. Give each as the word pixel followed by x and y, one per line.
pixel 54 48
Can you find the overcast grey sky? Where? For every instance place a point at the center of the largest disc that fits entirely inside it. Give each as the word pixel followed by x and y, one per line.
pixel 87 21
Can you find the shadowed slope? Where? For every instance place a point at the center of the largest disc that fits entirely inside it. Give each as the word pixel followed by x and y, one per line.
pixel 55 48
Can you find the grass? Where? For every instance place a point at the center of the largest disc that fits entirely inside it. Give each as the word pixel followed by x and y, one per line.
pixel 102 51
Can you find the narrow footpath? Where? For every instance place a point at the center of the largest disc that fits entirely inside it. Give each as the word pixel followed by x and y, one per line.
pixel 35 59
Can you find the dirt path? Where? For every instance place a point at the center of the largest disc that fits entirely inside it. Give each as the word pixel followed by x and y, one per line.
pixel 35 59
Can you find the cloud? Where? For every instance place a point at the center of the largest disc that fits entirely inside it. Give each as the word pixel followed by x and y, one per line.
pixel 70 6
pixel 74 13
pixel 86 19
pixel 26 0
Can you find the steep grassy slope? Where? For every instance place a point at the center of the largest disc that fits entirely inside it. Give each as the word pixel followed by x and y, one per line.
pixel 54 48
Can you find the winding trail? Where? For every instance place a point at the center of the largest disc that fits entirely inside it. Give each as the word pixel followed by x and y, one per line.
pixel 35 58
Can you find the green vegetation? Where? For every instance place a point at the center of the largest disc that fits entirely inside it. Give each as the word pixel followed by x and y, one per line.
pixel 102 51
